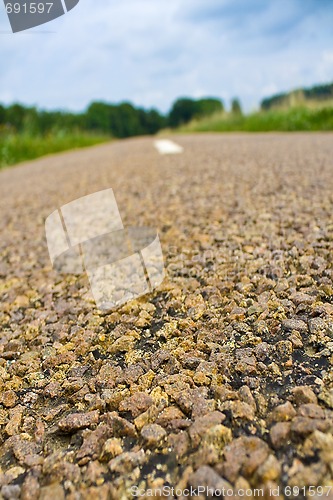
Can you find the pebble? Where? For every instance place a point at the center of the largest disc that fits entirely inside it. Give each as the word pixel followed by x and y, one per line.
pixel 77 421
pixel 283 412
pixel 8 399
pixel 136 404
pixel 153 434
pixel 295 324
pixel 206 477
pixel 55 491
pixel 243 456
pixel 303 394
pixel 279 434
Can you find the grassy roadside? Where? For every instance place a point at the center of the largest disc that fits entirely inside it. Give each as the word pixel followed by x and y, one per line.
pixel 283 120
pixel 15 148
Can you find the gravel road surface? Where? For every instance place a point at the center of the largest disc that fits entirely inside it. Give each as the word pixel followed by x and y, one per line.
pixel 222 377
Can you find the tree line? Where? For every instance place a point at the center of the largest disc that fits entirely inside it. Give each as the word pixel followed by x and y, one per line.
pixel 118 120
pixel 318 93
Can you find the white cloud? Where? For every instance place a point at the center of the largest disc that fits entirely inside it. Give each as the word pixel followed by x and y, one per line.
pixel 152 52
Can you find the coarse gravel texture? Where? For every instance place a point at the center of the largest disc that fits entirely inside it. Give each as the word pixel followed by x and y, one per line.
pixel 223 376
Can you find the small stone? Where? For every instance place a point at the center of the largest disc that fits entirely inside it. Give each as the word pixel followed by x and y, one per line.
pixel 95 472
pixel 296 339
pixel 3 416
pixel 136 404
pixel 132 373
pixel 76 421
pixel 244 455
pixel 127 461
pixel 59 359
pixel 153 434
pixel 112 448
pixel 311 410
pixel 206 477
pixel 246 364
pixel 14 472
pixel 22 301
pixel 269 470
pixel 304 426
pixel 15 420
pixel 246 395
pixel 202 406
pixel 168 415
pixel 223 394
pixel 11 492
pixel 118 426
pixel 148 417
pixel 283 413
pixel 30 488
pixel 322 443
pixel 92 443
pixel 123 344
pixel 274 369
pixel 303 394
pixel 191 362
pixel 218 437
pixel 179 443
pixel 8 399
pixel 284 348
pixel 280 434
pixel 25 451
pixel 302 298
pixel 201 379
pixel 239 409
pixel 326 396
pixel 113 397
pixel 52 390
pixel 263 351
pixel 202 424
pixel 295 324
pixel 317 326
pixel 56 468
pixel 53 491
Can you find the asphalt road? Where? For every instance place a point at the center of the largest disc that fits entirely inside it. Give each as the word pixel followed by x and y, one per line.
pixel 222 377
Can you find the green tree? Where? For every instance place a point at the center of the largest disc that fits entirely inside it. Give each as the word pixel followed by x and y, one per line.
pixel 236 108
pixel 185 109
pixel 182 111
pixel 208 106
pixel 152 121
pixel 98 117
pixel 2 115
pixel 15 116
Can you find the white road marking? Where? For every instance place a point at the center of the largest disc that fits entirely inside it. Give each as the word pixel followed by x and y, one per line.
pixel 167 147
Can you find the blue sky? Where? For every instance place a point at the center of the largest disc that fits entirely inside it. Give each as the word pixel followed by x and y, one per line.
pixel 153 51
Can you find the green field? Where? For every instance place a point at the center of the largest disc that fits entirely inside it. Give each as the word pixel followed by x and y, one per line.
pixel 283 120
pixel 15 148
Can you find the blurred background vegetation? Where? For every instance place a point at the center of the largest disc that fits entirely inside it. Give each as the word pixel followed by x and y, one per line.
pixel 27 132
pixel 300 110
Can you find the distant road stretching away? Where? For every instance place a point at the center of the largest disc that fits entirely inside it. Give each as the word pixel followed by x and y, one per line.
pixel 223 376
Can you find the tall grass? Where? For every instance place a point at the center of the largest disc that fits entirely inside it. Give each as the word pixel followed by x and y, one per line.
pixel 15 148
pixel 284 120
